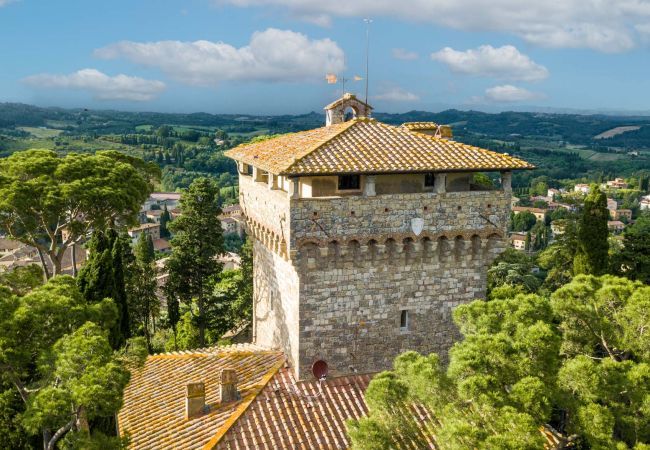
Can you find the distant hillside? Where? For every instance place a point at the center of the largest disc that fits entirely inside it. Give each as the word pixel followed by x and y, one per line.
pixel 571 128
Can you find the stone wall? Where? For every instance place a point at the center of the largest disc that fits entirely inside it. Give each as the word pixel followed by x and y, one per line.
pixel 275 302
pixel 332 275
pixel 360 264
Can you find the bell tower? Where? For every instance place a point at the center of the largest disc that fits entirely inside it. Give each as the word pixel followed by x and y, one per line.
pixel 346 108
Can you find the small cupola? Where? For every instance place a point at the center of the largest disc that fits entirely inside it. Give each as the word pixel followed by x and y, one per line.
pixel 346 108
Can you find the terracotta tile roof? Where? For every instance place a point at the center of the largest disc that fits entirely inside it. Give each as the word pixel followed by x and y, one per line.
pixel 154 400
pixel 414 126
pixel 293 415
pixel 367 146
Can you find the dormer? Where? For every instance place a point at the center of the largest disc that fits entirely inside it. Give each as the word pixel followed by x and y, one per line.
pixel 346 108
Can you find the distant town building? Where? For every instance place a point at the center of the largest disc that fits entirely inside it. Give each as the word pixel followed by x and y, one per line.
pixel 612 204
pixel 581 188
pixel 232 220
pixel 552 193
pixel 644 204
pixel 518 241
pixel 162 246
pixel 619 214
pixel 618 183
pixel 615 226
pixel 558 227
pixel 152 229
pixel 171 199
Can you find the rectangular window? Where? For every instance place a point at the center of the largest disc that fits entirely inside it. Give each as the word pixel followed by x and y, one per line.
pixel 349 182
pixel 429 179
pixel 404 320
pixel 249 169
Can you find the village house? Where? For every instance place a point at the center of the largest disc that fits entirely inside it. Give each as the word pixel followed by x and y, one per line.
pixel 558 227
pixel 581 188
pixel 644 203
pixel 151 229
pixel 231 219
pixel 612 204
pixel 618 183
pixel 365 238
pixel 518 241
pixel 615 226
pixel 621 214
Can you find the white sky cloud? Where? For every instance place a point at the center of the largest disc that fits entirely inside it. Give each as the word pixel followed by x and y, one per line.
pixel 405 55
pixel 396 94
pixel 271 55
pixel 508 93
pixel 503 62
pixel 596 24
pixel 102 86
pixel 6 2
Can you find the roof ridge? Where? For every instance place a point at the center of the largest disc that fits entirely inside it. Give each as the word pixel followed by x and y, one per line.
pixel 246 402
pixel 243 347
pixel 308 151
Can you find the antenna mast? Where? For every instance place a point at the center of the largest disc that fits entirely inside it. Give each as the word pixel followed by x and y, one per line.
pixel 368 22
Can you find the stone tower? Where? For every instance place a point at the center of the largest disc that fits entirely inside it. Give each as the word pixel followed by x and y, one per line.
pixel 366 236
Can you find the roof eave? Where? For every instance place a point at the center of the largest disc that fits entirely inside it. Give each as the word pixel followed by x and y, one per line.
pixel 401 172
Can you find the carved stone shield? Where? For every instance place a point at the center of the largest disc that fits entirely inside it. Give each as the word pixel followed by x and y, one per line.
pixel 417 225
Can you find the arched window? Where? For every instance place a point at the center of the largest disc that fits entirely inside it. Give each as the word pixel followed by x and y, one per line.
pixel 349 113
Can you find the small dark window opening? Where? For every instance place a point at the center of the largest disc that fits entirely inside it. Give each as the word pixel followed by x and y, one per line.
pixel 249 169
pixel 429 179
pixel 349 182
pixel 404 320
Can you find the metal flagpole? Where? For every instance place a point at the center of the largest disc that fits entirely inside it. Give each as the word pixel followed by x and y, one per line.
pixel 368 22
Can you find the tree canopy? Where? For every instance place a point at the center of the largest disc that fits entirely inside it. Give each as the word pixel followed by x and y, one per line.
pixel 51 202
pixel 579 362
pixel 592 247
pixel 55 354
pixel 198 241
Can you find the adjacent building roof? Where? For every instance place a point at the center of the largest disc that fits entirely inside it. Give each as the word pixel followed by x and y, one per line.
pixel 364 145
pixel 275 411
pixel 154 400
pixel 294 415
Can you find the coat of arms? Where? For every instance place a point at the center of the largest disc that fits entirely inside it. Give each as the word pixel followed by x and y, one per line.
pixel 417 225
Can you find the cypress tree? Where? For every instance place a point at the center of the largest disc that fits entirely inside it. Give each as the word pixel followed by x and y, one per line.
pixel 103 276
pixel 165 218
pixel 592 251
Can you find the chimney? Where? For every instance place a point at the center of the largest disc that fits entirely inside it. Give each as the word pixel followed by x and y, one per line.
pixel 194 400
pixel 229 392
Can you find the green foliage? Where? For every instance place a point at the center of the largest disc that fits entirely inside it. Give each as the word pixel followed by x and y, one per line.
pixel 557 259
pixel 103 276
pixel 523 221
pixel 23 279
pixel 144 306
pixel 633 260
pixel 165 219
pixel 579 361
pixel 55 353
pixel 197 241
pixel 592 247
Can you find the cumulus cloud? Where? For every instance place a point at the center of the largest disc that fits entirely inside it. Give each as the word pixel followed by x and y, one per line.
pixel 271 55
pixel 502 62
pixel 102 86
pixel 403 54
pixel 604 26
pixel 508 93
pixel 396 94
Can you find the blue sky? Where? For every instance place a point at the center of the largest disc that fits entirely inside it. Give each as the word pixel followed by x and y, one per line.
pixel 271 56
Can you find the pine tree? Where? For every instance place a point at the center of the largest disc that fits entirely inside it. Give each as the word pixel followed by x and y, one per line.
pixel 592 252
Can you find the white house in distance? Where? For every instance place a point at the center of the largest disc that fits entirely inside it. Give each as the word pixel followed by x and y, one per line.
pixel 152 229
pixel 518 241
pixel 644 204
pixel 582 188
